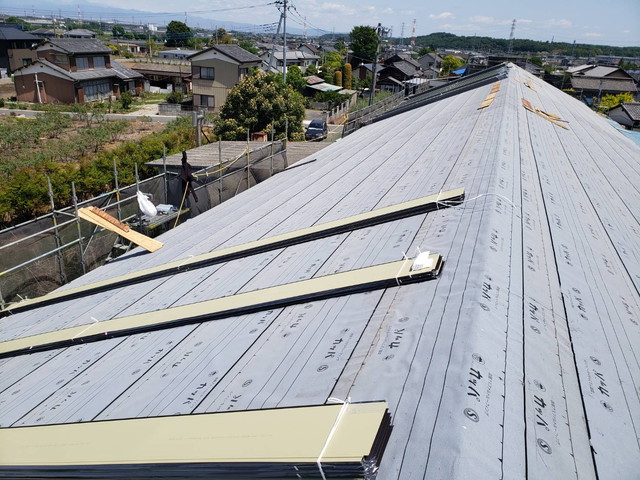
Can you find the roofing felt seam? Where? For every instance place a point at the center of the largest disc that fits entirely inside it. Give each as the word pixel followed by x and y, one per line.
pixel 375 217
pixel 396 273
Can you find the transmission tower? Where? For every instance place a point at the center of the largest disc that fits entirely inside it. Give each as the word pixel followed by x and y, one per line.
pixel 402 34
pixel 413 34
pixel 513 29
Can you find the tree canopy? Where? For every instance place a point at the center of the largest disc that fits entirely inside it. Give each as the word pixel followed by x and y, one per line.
pixel 178 34
pixel 364 43
pixel 294 78
pixel 449 64
pixel 257 103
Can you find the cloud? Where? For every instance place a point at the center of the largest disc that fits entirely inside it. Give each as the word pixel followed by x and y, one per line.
pixel 337 8
pixel 483 20
pixel 441 16
pixel 564 23
pixel 593 35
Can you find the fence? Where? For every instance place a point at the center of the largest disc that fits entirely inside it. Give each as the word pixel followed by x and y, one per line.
pixel 40 255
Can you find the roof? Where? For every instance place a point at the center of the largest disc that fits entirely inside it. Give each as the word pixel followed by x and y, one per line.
pixel 79 45
pixel 180 52
pixel 152 68
pixel 600 71
pixel 117 70
pixel 324 87
pixel 208 155
pixel 234 52
pixel 238 53
pixel 579 68
pixel 606 85
pixel 80 31
pixel 632 109
pixel 518 361
pixel 9 33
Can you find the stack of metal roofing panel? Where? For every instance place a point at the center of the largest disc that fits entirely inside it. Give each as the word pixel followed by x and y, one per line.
pixel 328 441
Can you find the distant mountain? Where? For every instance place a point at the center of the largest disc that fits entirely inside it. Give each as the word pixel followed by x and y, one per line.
pixel 520 46
pixel 97 12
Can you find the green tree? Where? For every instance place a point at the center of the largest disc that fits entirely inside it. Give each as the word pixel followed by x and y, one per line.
pixel 364 44
pixel 337 78
pixel 249 46
pixel 221 36
pixel 612 101
pixel 347 76
pixel 178 34
pixel 332 62
pixel 424 50
pixel 257 103
pixel 332 99
pixel 311 70
pixel 118 31
pixel 536 61
pixel 125 100
pixel 294 78
pixel 449 64
pixel 24 25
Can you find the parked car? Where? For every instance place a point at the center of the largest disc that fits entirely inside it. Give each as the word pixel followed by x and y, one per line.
pixel 317 130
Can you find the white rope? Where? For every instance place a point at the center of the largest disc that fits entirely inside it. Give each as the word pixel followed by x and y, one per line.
pixel 345 405
pixel 406 259
pixel 448 203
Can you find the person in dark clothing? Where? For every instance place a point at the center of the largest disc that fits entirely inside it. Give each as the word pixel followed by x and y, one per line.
pixel 186 177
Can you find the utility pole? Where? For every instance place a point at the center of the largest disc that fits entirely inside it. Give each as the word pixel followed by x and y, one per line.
pixel 284 46
pixel 379 32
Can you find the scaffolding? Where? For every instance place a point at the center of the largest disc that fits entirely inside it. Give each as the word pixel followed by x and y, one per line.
pixel 40 255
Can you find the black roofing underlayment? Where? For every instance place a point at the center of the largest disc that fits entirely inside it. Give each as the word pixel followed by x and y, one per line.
pixel 519 361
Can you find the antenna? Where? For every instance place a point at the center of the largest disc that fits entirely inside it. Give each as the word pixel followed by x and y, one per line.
pixel 305 27
pixel 79 15
pixel 413 34
pixel 513 29
pixel 402 34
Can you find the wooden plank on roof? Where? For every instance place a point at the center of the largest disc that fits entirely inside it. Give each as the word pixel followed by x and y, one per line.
pixel 106 221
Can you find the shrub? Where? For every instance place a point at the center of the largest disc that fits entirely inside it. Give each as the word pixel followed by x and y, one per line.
pixel 125 100
pixel 1 102
pixel 175 97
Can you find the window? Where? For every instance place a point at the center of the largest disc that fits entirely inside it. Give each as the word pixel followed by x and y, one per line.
pixel 59 58
pixel 208 101
pixel 82 63
pixel 96 90
pixel 243 72
pixel 26 61
pixel 98 62
pixel 208 73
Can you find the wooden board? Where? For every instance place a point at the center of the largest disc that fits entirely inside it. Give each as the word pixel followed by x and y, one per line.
pixel 101 220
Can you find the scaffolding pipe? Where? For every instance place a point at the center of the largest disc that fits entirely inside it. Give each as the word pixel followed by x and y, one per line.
pixel 115 177
pixel 56 233
pixel 75 208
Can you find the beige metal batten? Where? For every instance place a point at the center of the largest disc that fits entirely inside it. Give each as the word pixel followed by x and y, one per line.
pixel 375 217
pixel 328 286
pixel 285 435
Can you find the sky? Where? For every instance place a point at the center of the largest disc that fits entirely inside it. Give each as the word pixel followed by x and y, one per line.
pixel 612 22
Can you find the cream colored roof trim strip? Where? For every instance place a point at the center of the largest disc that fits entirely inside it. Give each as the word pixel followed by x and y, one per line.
pixel 346 283
pixel 374 217
pixel 289 435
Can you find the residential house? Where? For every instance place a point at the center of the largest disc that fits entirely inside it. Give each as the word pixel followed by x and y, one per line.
pixel 70 70
pixel 216 70
pixel 430 61
pixel 177 54
pixel 15 48
pixel 627 114
pixel 396 70
pixel 299 58
pixel 163 77
pixel 46 32
pixel 590 81
pixel 309 49
pixel 139 48
pixel 79 33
